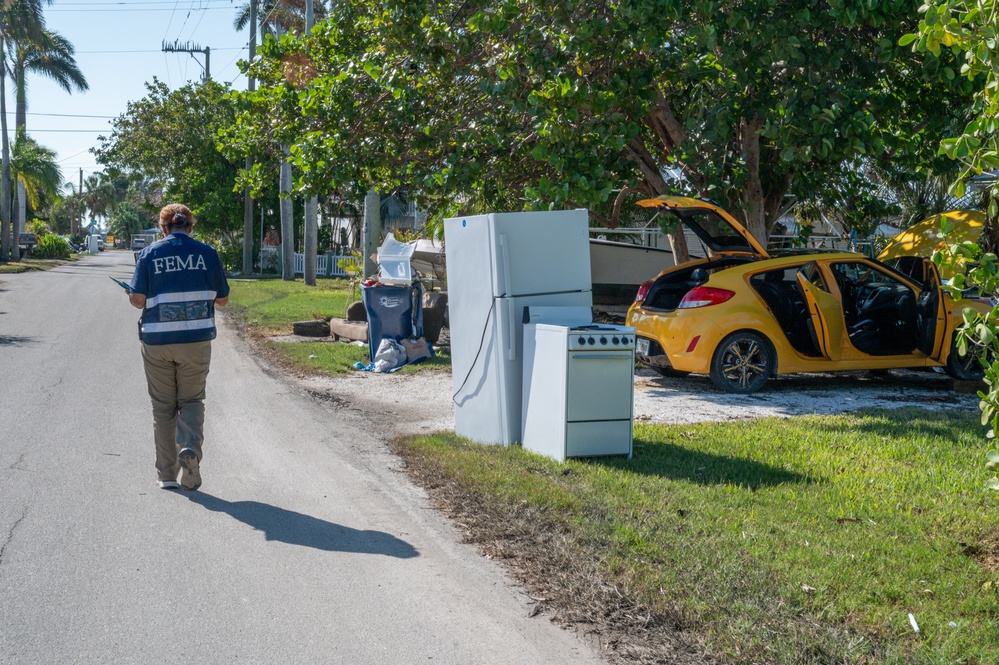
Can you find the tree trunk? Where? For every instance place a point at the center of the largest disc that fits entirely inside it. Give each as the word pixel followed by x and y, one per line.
pixel 678 245
pixel 311 239
pixel 752 194
pixel 371 231
pixel 247 226
pixel 247 200
pixel 287 220
pixel 312 204
pixel 8 248
pixel 656 184
pixel 21 123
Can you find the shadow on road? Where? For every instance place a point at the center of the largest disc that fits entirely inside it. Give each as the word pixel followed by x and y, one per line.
pixel 293 528
pixel 14 340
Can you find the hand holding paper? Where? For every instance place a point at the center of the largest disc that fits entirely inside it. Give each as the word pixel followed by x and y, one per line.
pixel 122 284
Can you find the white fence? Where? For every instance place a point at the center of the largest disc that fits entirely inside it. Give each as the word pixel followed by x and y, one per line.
pixel 327 265
pixel 654 237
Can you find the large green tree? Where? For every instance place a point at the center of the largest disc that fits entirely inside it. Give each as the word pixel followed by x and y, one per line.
pixel 518 103
pixel 170 136
pixel 969 31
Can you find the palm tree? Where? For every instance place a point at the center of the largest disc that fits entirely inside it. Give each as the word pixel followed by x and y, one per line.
pixel 98 195
pixel 51 56
pixel 288 14
pixel 36 169
pixel 72 200
pixel 19 20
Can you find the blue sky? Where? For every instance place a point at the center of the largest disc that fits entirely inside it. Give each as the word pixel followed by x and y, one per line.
pixel 118 48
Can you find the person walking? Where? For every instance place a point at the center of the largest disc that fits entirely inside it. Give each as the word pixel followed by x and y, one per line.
pixel 178 282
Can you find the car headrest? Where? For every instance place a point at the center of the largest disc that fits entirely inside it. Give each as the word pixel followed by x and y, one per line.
pixel 774 276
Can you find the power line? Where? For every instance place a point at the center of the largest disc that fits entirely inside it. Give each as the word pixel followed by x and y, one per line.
pixel 76 155
pixel 228 48
pixel 68 115
pixel 170 22
pixel 70 131
pixel 131 10
pixel 132 3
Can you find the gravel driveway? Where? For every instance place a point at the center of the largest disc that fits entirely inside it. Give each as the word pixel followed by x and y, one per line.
pixel 421 401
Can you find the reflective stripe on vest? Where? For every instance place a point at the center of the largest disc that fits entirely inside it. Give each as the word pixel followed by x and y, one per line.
pixel 184 311
pixel 179 297
pixel 175 326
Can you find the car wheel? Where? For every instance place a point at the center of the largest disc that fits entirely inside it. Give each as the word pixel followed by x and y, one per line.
pixel 669 372
pixel 742 363
pixel 966 367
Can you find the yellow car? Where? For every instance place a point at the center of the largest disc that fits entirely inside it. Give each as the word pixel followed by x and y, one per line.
pixel 742 316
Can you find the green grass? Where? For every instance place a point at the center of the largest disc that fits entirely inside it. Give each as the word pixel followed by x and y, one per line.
pixel 804 540
pixel 270 306
pixel 28 265
pixel 336 358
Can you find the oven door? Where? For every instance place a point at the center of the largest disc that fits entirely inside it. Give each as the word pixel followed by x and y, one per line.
pixel 600 385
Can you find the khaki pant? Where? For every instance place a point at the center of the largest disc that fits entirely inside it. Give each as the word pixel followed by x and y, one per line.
pixel 175 376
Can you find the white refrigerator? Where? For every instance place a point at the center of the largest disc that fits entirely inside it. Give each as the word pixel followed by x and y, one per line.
pixel 497 265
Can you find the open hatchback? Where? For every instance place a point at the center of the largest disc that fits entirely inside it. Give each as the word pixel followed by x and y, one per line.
pixel 741 316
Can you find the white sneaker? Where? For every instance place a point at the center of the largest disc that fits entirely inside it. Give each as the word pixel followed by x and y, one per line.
pixel 169 485
pixel 190 476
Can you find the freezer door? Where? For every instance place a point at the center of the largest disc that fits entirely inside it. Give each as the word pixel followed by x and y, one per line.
pixel 515 254
pixel 469 257
pixel 541 252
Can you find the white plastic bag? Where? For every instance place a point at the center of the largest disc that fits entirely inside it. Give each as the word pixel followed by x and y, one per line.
pixel 389 355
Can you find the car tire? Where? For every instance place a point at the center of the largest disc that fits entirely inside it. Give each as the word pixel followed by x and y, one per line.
pixel 669 372
pixel 964 368
pixel 742 363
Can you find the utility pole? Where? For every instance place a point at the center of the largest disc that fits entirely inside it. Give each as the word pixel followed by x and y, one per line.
pixel 312 204
pixel 247 200
pixel 188 47
pixel 287 218
pixel 79 203
pixel 79 195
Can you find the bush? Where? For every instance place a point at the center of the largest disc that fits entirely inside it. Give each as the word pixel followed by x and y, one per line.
pixel 231 254
pixel 51 246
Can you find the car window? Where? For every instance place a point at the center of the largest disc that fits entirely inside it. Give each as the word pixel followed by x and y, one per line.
pixel 714 231
pixel 861 274
pixel 812 274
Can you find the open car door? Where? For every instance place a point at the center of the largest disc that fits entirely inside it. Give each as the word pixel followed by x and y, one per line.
pixel 931 325
pixel 825 310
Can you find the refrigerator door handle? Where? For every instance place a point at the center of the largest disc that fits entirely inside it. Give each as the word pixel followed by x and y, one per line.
pixel 511 323
pixel 504 256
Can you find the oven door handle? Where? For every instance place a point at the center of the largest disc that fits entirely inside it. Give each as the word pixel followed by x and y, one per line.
pixel 602 356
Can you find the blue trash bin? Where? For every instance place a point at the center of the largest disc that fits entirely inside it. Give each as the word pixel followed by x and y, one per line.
pixel 394 312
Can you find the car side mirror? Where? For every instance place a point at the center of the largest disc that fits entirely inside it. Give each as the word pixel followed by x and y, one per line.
pixel 699 275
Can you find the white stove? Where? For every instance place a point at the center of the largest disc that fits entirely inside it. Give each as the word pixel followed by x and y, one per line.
pixel 578 389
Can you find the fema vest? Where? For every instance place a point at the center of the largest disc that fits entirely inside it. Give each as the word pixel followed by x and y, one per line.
pixel 181 278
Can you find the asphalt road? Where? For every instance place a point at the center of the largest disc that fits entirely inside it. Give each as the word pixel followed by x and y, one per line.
pixel 305 545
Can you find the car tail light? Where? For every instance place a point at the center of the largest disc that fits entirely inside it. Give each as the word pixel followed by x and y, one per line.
pixel 704 296
pixel 643 291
